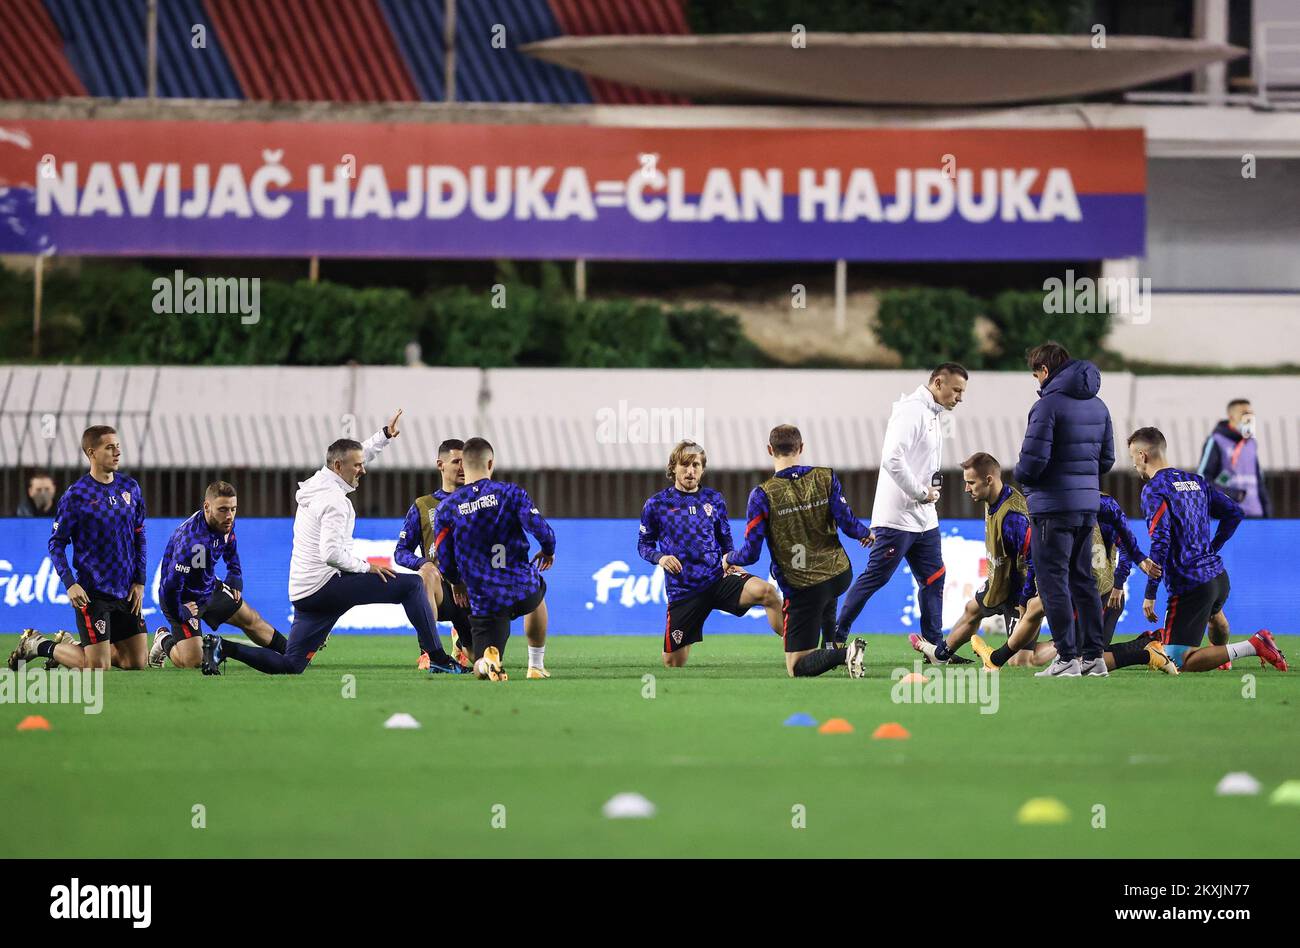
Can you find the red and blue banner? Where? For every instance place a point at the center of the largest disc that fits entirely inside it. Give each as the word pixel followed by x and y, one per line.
pixel 560 192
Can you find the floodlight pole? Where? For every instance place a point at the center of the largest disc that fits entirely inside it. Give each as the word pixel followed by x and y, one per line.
pixel 841 286
pixel 151 29
pixel 38 282
pixel 580 279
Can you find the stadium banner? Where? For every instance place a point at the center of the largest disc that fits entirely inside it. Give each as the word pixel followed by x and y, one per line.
pixel 294 189
pixel 599 586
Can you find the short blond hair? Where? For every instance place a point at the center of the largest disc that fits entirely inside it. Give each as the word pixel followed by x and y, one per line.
pixel 683 451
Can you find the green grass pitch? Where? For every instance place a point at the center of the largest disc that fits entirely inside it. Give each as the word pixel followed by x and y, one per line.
pixel 291 767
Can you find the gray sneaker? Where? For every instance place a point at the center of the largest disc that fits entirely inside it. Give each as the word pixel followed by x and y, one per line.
pixel 1093 668
pixel 1060 669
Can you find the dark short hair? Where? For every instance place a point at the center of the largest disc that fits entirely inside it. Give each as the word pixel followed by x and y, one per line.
pixel 340 449
pixel 1052 355
pixel 450 445
pixel 91 437
pixel 477 451
pixel 1151 437
pixel 1237 401
pixel 949 368
pixel 785 440
pixel 982 463
pixel 37 475
pixel 219 489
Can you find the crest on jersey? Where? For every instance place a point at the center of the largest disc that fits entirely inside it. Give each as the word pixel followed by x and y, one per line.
pixel 708 510
pixel 126 498
pixel 677 636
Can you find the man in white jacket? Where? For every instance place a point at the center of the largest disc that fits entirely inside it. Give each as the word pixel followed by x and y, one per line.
pixel 904 521
pixel 326 578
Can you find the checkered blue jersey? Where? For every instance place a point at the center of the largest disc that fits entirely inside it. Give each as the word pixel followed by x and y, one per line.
pixel 1178 507
pixel 692 527
pixel 409 551
pixel 1115 531
pixel 759 509
pixel 105 525
pixel 189 565
pixel 480 540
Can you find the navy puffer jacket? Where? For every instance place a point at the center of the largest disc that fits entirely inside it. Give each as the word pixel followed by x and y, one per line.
pixel 1069 442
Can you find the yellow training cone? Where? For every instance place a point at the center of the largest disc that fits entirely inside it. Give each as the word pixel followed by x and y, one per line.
pixel 1288 792
pixel 1042 810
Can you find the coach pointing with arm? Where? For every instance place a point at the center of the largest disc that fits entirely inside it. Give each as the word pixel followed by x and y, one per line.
pixel 1069 443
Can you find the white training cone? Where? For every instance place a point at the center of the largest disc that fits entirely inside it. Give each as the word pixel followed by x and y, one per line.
pixel 1237 784
pixel 623 806
pixel 402 720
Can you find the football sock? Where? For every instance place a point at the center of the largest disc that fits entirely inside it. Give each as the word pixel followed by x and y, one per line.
pixel 942 652
pixel 1241 649
pixel 1001 655
pixel 536 656
pixel 819 661
pixel 45 649
pixel 169 643
pixel 278 642
pixel 1132 652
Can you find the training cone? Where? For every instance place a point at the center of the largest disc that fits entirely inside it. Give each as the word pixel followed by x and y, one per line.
pixel 1237 784
pixel 891 731
pixel 628 806
pixel 401 721
pixel 913 678
pixel 33 722
pixel 1041 811
pixel 836 726
pixel 800 720
pixel 1288 792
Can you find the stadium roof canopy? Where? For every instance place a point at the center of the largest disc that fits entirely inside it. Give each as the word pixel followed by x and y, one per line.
pixel 882 68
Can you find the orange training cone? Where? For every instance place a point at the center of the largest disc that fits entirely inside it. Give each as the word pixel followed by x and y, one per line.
pixel 913 678
pixel 891 731
pixel 836 726
pixel 33 722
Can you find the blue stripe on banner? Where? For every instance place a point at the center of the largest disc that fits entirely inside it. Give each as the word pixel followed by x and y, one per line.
pixel 599 586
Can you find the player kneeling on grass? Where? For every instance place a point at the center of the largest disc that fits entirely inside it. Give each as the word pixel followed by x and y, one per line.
pixel 326 578
pixel 1179 507
pixel 414 550
pixel 482 550
pixel 190 591
pixel 684 529
pixel 799 510
pixel 102 516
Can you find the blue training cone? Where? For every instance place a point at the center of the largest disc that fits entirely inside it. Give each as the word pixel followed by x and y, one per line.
pixel 800 720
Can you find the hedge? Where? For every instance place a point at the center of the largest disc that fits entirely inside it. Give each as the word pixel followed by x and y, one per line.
pixel 927 326
pixel 889 16
pixel 106 315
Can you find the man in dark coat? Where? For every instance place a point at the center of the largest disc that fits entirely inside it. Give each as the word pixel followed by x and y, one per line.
pixel 1069 443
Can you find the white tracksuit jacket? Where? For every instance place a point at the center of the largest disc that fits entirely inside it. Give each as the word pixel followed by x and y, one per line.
pixel 912 452
pixel 322 527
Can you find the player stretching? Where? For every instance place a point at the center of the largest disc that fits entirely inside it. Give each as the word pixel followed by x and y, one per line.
pixel 102 516
pixel 190 591
pixel 417 535
pixel 480 544
pixel 1178 506
pixel 326 578
pixel 797 510
pixel 684 529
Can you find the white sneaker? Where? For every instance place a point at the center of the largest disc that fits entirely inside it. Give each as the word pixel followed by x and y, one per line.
pixel 156 654
pixel 856 659
pixel 1060 669
pixel 1094 668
